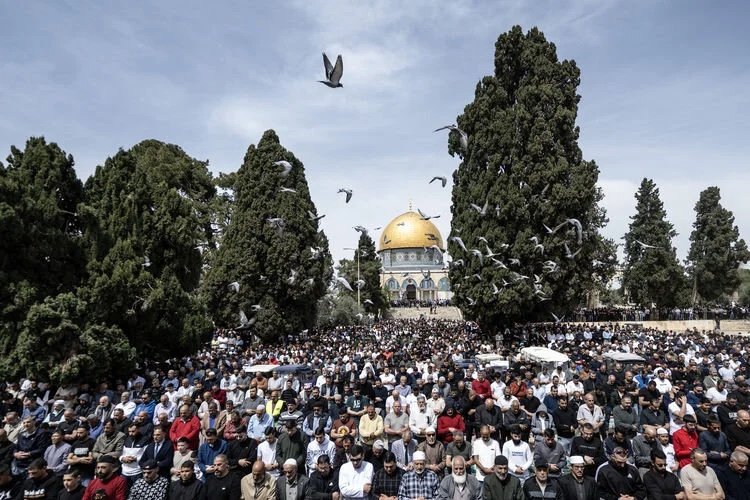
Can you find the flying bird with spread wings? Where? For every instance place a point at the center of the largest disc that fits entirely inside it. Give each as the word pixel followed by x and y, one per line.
pixel 464 137
pixel 348 193
pixel 333 73
pixel 442 180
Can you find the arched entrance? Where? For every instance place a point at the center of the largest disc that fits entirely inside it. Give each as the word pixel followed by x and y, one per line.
pixel 411 292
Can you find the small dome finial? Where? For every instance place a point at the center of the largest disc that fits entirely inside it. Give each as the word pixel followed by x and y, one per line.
pixel 410 208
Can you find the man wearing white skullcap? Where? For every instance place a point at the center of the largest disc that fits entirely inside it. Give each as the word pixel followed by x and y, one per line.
pixel 420 482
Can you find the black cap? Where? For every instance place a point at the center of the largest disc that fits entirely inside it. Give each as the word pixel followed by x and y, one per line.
pixel 501 460
pixel 107 459
pixel 541 464
pixel 149 465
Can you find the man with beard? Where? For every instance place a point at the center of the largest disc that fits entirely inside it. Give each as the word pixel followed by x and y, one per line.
pixel 619 479
pixel 292 485
pixel 220 484
pixel 258 485
pixel 448 423
pixel 187 487
pixel 324 481
pixel 519 454
pixel 242 453
pixel 292 444
pixel 40 483
pixel 715 443
pixel 660 482
pixel 577 485
pixel 459 484
pixel 81 455
pixel 566 422
pixel 589 446
pixel 699 480
pixel 386 482
pixel 151 486
pixel 419 483
pixel 499 485
pixel 106 482
pixel 490 415
pixel 32 443
pixel 376 455
pixel 549 451
pixel 434 450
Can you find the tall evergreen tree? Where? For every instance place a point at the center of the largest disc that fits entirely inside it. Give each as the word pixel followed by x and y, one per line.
pixel 147 215
pixel 372 296
pixel 40 246
pixel 522 169
pixel 652 275
pixel 716 249
pixel 272 248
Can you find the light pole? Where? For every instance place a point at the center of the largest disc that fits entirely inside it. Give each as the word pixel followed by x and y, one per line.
pixel 356 252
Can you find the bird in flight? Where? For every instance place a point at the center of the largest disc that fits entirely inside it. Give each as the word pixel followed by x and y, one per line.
pixel 348 193
pixel 285 165
pixel 313 217
pixel 360 229
pixel 459 242
pixel 464 137
pixel 234 285
pixel 424 216
pixel 287 190
pixel 342 281
pixel 386 240
pixel 644 245
pixel 333 73
pixel 442 180
pixel 481 210
pixel 568 253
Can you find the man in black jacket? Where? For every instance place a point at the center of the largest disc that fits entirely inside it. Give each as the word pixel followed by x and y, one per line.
pixel 324 481
pixel 618 478
pixel 566 423
pixel 188 487
pixel 40 483
pixel 242 453
pixel 577 485
pixel 659 481
pixel 589 446
pixel 221 485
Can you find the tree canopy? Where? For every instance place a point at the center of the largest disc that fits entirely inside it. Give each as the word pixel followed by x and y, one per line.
pixel 716 249
pixel 273 263
pixel 521 173
pixel 652 273
pixel 372 296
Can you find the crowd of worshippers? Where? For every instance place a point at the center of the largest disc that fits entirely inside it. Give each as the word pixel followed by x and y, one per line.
pixel 393 412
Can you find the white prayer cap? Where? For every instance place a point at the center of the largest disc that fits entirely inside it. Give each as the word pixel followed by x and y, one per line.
pixel 419 455
pixel 576 460
pixel 291 462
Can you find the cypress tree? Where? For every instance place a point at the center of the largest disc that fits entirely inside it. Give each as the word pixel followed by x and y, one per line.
pixel 652 275
pixel 372 296
pixel 716 249
pixel 522 169
pixel 272 248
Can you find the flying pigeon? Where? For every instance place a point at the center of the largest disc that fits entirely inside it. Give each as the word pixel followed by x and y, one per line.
pixel 579 229
pixel 483 210
pixel 333 73
pixel 235 285
pixel 401 224
pixel 286 165
pixel 146 261
pixel 555 229
pixel 479 254
pixel 471 301
pixel 557 320
pixel 360 229
pixel 312 216
pixel 287 190
pixel 568 253
pixel 644 245
pixel 459 242
pixel 367 301
pixel 442 180
pixel 342 281
pixel 464 137
pixel 386 240
pixel 348 193
pixel 276 222
pixel 424 216
pixel 360 283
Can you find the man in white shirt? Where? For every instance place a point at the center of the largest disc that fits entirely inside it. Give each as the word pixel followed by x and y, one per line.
pixel 388 379
pixel 128 406
pixel 519 454
pixel 355 476
pixel 663 385
pixel 484 451
pixel 718 393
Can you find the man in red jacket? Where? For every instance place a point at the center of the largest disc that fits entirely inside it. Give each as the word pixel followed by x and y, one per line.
pixel 685 440
pixel 187 426
pixel 107 483
pixel 481 386
pixel 448 423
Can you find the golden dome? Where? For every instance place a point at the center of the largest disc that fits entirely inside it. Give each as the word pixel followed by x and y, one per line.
pixel 408 230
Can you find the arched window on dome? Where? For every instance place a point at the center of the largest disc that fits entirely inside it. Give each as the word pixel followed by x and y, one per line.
pixel 392 284
pixel 444 284
pixel 427 284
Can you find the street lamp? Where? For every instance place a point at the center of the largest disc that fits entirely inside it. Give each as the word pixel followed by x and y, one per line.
pixel 356 252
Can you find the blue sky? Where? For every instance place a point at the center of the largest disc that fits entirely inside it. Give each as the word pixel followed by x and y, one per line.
pixel 664 91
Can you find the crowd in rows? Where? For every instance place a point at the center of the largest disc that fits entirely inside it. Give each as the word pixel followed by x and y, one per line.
pixel 399 410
